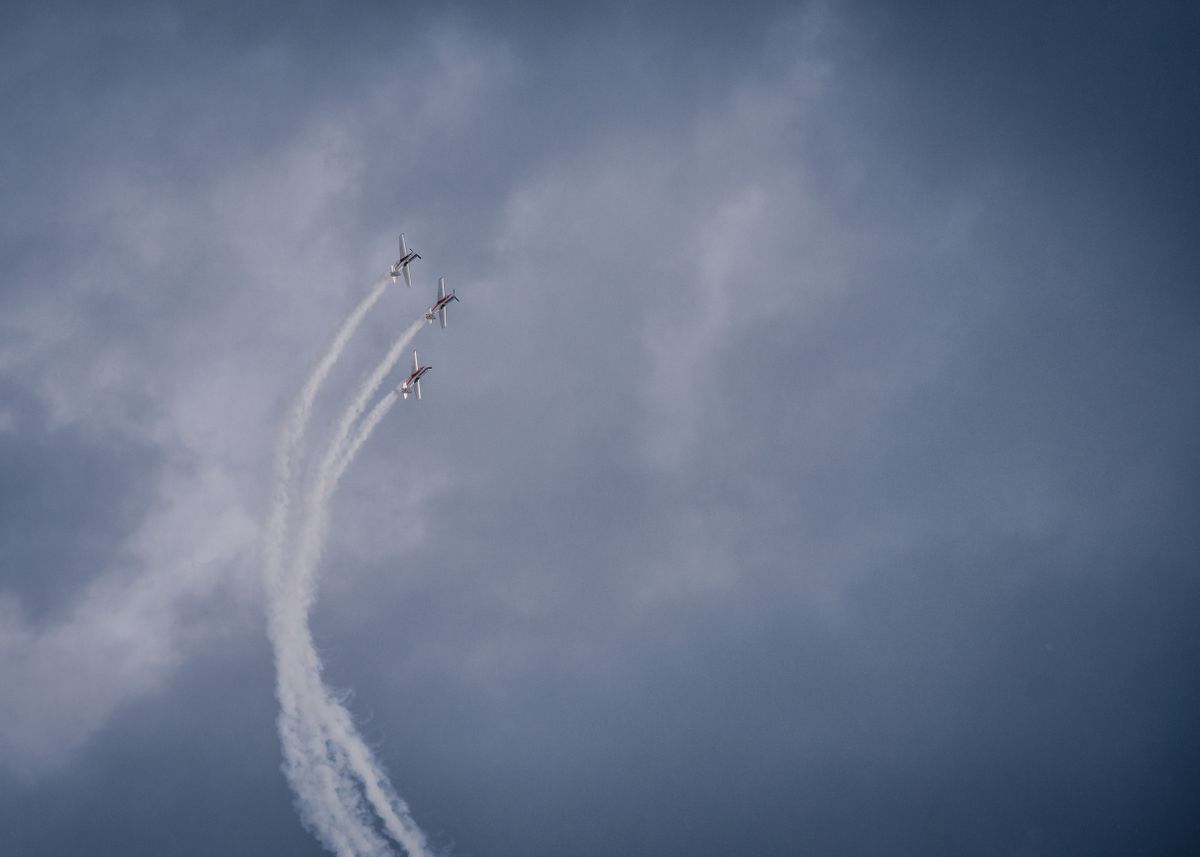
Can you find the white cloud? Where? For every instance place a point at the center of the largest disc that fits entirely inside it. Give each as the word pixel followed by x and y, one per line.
pixel 199 380
pixel 184 318
pixel 126 632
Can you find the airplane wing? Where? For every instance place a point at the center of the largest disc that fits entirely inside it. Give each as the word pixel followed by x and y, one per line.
pixel 407 276
pixel 403 246
pixel 416 364
pixel 418 386
pixel 441 299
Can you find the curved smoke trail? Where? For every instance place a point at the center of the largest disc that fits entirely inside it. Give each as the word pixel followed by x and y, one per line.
pixel 289 445
pixel 341 789
pixel 364 431
pixel 316 514
pixel 334 720
pixel 327 764
pixel 326 795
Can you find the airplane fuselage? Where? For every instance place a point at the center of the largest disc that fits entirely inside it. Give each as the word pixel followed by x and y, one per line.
pixel 440 305
pixel 413 382
pixel 403 263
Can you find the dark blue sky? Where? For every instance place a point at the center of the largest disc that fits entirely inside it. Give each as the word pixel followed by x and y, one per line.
pixel 809 467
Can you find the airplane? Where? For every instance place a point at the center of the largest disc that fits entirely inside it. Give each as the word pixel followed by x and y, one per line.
pixel 439 308
pixel 400 266
pixel 413 382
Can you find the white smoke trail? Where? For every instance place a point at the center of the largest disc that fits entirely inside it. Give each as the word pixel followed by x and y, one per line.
pixel 325 794
pixel 334 721
pixel 288 446
pixel 325 761
pixel 312 536
pixel 364 431
pixel 325 757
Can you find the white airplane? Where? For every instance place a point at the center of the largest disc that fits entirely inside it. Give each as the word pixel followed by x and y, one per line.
pixel 412 384
pixel 400 266
pixel 443 299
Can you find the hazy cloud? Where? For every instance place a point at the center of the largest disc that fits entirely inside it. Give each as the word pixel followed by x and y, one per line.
pixel 809 465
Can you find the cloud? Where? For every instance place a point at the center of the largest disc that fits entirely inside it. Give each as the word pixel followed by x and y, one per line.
pixel 125 633
pixel 188 367
pixel 813 440
pixel 172 312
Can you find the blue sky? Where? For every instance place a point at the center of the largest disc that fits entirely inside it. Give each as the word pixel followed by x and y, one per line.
pixel 809 466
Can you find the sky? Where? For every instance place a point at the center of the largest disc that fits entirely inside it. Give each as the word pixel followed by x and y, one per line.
pixel 809 466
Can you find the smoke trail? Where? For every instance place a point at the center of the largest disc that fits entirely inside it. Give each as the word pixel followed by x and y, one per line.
pixel 288 446
pixel 348 448
pixel 312 537
pixel 364 431
pixel 326 796
pixel 330 765
pixel 354 756
pixel 325 761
